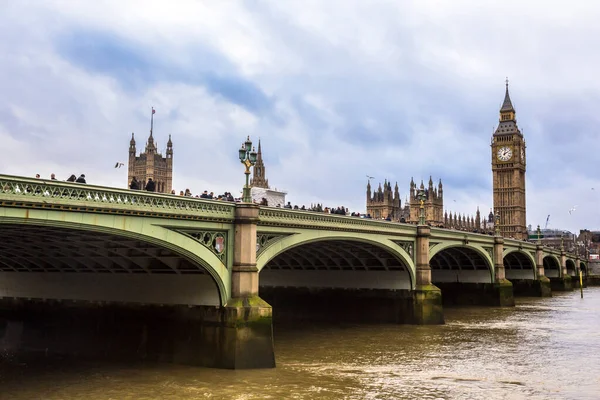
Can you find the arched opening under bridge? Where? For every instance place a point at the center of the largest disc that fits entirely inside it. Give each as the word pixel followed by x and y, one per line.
pixel 571 268
pixel 465 276
pixel 82 292
pixel 460 265
pixel 551 267
pixel 46 262
pixel 338 280
pixel 518 265
pixel 521 270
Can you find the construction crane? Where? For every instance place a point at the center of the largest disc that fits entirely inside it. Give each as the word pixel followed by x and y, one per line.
pixel 547 220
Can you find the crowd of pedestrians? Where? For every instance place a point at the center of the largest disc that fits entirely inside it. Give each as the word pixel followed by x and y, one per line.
pixel 150 186
pixel 72 178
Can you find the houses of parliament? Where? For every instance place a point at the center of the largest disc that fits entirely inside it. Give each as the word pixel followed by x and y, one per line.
pixel 151 163
pixel 508 162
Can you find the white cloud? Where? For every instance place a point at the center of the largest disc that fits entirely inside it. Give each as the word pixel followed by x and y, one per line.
pixel 389 89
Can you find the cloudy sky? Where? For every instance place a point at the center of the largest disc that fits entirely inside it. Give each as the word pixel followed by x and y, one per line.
pixel 336 90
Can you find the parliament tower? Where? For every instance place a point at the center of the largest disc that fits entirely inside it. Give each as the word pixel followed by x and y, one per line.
pixel 508 170
pixel 151 164
pixel 259 177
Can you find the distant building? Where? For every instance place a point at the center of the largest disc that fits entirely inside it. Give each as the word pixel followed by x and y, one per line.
pixel 384 203
pixel 151 164
pixel 433 203
pixel 259 184
pixel 554 238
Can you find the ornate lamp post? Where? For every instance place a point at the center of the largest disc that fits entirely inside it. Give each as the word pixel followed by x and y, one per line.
pixel 539 233
pixel 421 197
pixel 497 225
pixel 248 158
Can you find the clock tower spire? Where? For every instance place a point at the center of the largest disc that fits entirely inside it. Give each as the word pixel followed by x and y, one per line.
pixel 508 170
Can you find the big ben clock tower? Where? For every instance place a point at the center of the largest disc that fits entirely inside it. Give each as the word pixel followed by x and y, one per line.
pixel 508 170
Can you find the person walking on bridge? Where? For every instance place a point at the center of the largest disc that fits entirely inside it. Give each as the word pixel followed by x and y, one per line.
pixel 150 186
pixel 135 184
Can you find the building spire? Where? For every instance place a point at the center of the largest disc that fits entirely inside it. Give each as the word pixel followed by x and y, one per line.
pixel 259 178
pixel 152 121
pixel 507 104
pixel 150 147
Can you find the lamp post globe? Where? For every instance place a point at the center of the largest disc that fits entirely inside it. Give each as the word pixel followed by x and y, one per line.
pixel 421 197
pixel 497 224
pixel 248 159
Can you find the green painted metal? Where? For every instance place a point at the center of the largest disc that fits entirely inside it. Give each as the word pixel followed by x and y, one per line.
pixel 298 237
pixel 160 232
pixel 34 193
pixel 189 226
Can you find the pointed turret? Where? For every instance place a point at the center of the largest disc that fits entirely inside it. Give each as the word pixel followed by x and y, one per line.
pixel 132 150
pixel 508 123
pixel 150 146
pixel 170 148
pixel 259 178
pixel 507 104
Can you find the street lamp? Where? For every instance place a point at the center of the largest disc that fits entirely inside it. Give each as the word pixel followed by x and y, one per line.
pixel 497 224
pixel 421 196
pixel 248 158
pixel 539 233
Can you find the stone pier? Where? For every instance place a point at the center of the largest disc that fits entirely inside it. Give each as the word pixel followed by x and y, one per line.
pixel 427 298
pixel 248 318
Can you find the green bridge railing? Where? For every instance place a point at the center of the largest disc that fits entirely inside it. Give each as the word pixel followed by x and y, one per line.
pixel 15 191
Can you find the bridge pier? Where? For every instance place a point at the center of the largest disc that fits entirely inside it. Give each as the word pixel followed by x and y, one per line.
pixel 248 319
pixel 427 298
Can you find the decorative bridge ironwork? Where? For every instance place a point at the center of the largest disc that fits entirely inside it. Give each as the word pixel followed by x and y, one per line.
pixel 18 191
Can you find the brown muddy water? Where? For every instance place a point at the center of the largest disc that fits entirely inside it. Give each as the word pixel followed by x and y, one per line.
pixel 541 349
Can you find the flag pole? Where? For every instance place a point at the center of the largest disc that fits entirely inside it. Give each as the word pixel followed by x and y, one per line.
pixel 151 121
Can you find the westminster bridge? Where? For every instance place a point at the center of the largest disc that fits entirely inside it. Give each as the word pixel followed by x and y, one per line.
pixel 98 270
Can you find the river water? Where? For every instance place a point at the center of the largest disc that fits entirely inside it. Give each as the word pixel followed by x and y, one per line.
pixel 541 349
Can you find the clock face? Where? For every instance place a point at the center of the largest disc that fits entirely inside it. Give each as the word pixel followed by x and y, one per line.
pixel 504 153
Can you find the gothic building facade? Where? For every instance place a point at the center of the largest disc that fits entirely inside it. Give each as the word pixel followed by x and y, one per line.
pixel 433 203
pixel 258 173
pixel 384 203
pixel 508 171
pixel 151 164
pixel 260 190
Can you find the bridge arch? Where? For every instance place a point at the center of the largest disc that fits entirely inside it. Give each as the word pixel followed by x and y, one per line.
pixel 122 251
pixel 363 261
pixel 571 267
pixel 519 265
pixel 461 263
pixel 551 266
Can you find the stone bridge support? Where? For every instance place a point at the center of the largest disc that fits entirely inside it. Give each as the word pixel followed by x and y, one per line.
pixel 541 286
pixel 247 319
pixel 427 298
pixel 502 288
